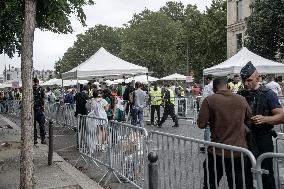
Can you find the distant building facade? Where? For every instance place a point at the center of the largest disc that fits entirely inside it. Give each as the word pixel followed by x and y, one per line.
pixel 237 12
pixel 14 74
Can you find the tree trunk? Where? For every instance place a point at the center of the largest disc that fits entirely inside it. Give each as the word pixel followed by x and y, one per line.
pixel 27 120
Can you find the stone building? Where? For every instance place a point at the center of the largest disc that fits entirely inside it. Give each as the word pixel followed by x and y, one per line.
pixel 237 12
pixel 14 74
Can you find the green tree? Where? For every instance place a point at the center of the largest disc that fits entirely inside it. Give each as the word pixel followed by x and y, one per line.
pixel 175 10
pixel 151 39
pixel 18 20
pixel 87 44
pixel 265 28
pixel 205 34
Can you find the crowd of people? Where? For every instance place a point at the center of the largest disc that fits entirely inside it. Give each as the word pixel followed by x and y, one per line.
pixel 240 113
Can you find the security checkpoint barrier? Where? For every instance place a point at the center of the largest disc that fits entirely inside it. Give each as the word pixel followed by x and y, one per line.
pixel 13 107
pixel 279 163
pixel 62 114
pixel 122 151
pixel 276 158
pixel 180 161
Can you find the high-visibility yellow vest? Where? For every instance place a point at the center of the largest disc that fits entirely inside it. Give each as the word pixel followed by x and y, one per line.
pixel 156 97
pixel 172 96
pixel 234 87
pixel 181 91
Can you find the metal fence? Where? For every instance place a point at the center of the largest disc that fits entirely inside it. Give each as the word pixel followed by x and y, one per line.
pixel 120 147
pixel 62 114
pixel 266 156
pixel 12 107
pixel 123 148
pixel 181 164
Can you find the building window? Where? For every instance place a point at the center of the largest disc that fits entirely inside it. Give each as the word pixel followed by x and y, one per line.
pixel 239 41
pixel 8 77
pixel 239 10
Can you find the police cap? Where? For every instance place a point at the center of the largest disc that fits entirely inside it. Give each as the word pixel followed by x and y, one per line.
pixel 247 70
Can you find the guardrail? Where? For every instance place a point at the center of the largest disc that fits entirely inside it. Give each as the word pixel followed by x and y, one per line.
pixel 181 164
pixel 260 171
pixel 123 148
pixel 120 147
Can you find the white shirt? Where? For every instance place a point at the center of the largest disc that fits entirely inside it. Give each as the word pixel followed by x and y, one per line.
pixel 275 87
pixel 97 106
pixel 207 91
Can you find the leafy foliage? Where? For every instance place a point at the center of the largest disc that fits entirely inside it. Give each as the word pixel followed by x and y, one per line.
pixel 265 28
pixel 87 44
pixel 151 39
pixel 159 40
pixel 52 15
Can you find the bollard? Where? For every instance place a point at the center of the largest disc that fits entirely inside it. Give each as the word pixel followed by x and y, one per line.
pixel 153 170
pixel 50 146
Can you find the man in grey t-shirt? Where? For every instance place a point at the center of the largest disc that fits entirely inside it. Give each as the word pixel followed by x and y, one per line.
pixel 138 98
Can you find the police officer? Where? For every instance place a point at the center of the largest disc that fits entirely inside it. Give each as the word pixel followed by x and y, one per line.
pixel 169 100
pixel 264 102
pixel 39 117
pixel 236 84
pixel 155 101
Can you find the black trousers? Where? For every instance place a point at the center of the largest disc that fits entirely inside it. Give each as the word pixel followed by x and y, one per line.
pixel 153 109
pixel 40 118
pixel 219 170
pixel 169 110
pixel 264 144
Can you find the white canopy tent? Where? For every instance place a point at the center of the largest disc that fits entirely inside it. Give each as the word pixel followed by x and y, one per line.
pixel 103 64
pixel 142 79
pixel 234 64
pixel 58 82
pixel 174 77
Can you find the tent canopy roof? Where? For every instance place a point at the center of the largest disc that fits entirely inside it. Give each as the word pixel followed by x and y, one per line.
pixel 173 77
pixel 234 64
pixel 103 64
pixel 58 82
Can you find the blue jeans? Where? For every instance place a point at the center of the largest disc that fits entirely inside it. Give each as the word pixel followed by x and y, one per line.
pixel 137 117
pixel 207 134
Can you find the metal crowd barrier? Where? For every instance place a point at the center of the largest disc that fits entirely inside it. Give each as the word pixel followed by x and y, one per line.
pixel 279 164
pixel 128 152
pixel 118 146
pixel 13 107
pixel 182 165
pixel 62 114
pixel 276 157
pixel 187 108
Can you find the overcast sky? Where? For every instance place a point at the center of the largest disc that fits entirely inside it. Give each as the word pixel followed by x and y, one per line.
pixel 49 47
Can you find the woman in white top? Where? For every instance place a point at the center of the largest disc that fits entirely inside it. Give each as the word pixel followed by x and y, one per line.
pixel 99 106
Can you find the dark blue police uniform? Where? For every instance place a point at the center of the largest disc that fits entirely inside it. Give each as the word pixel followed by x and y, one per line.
pixel 38 113
pixel 262 102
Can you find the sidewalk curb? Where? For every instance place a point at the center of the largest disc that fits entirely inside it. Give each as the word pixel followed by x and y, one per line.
pixel 84 181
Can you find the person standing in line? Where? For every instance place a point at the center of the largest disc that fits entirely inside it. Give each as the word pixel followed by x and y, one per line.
pixel 126 98
pixel 207 91
pixel 155 101
pixel 236 84
pixel 169 100
pixel 226 114
pixel 81 109
pixel 39 117
pixel 99 107
pixel 81 100
pixel 138 100
pixel 263 102
pixel 274 86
